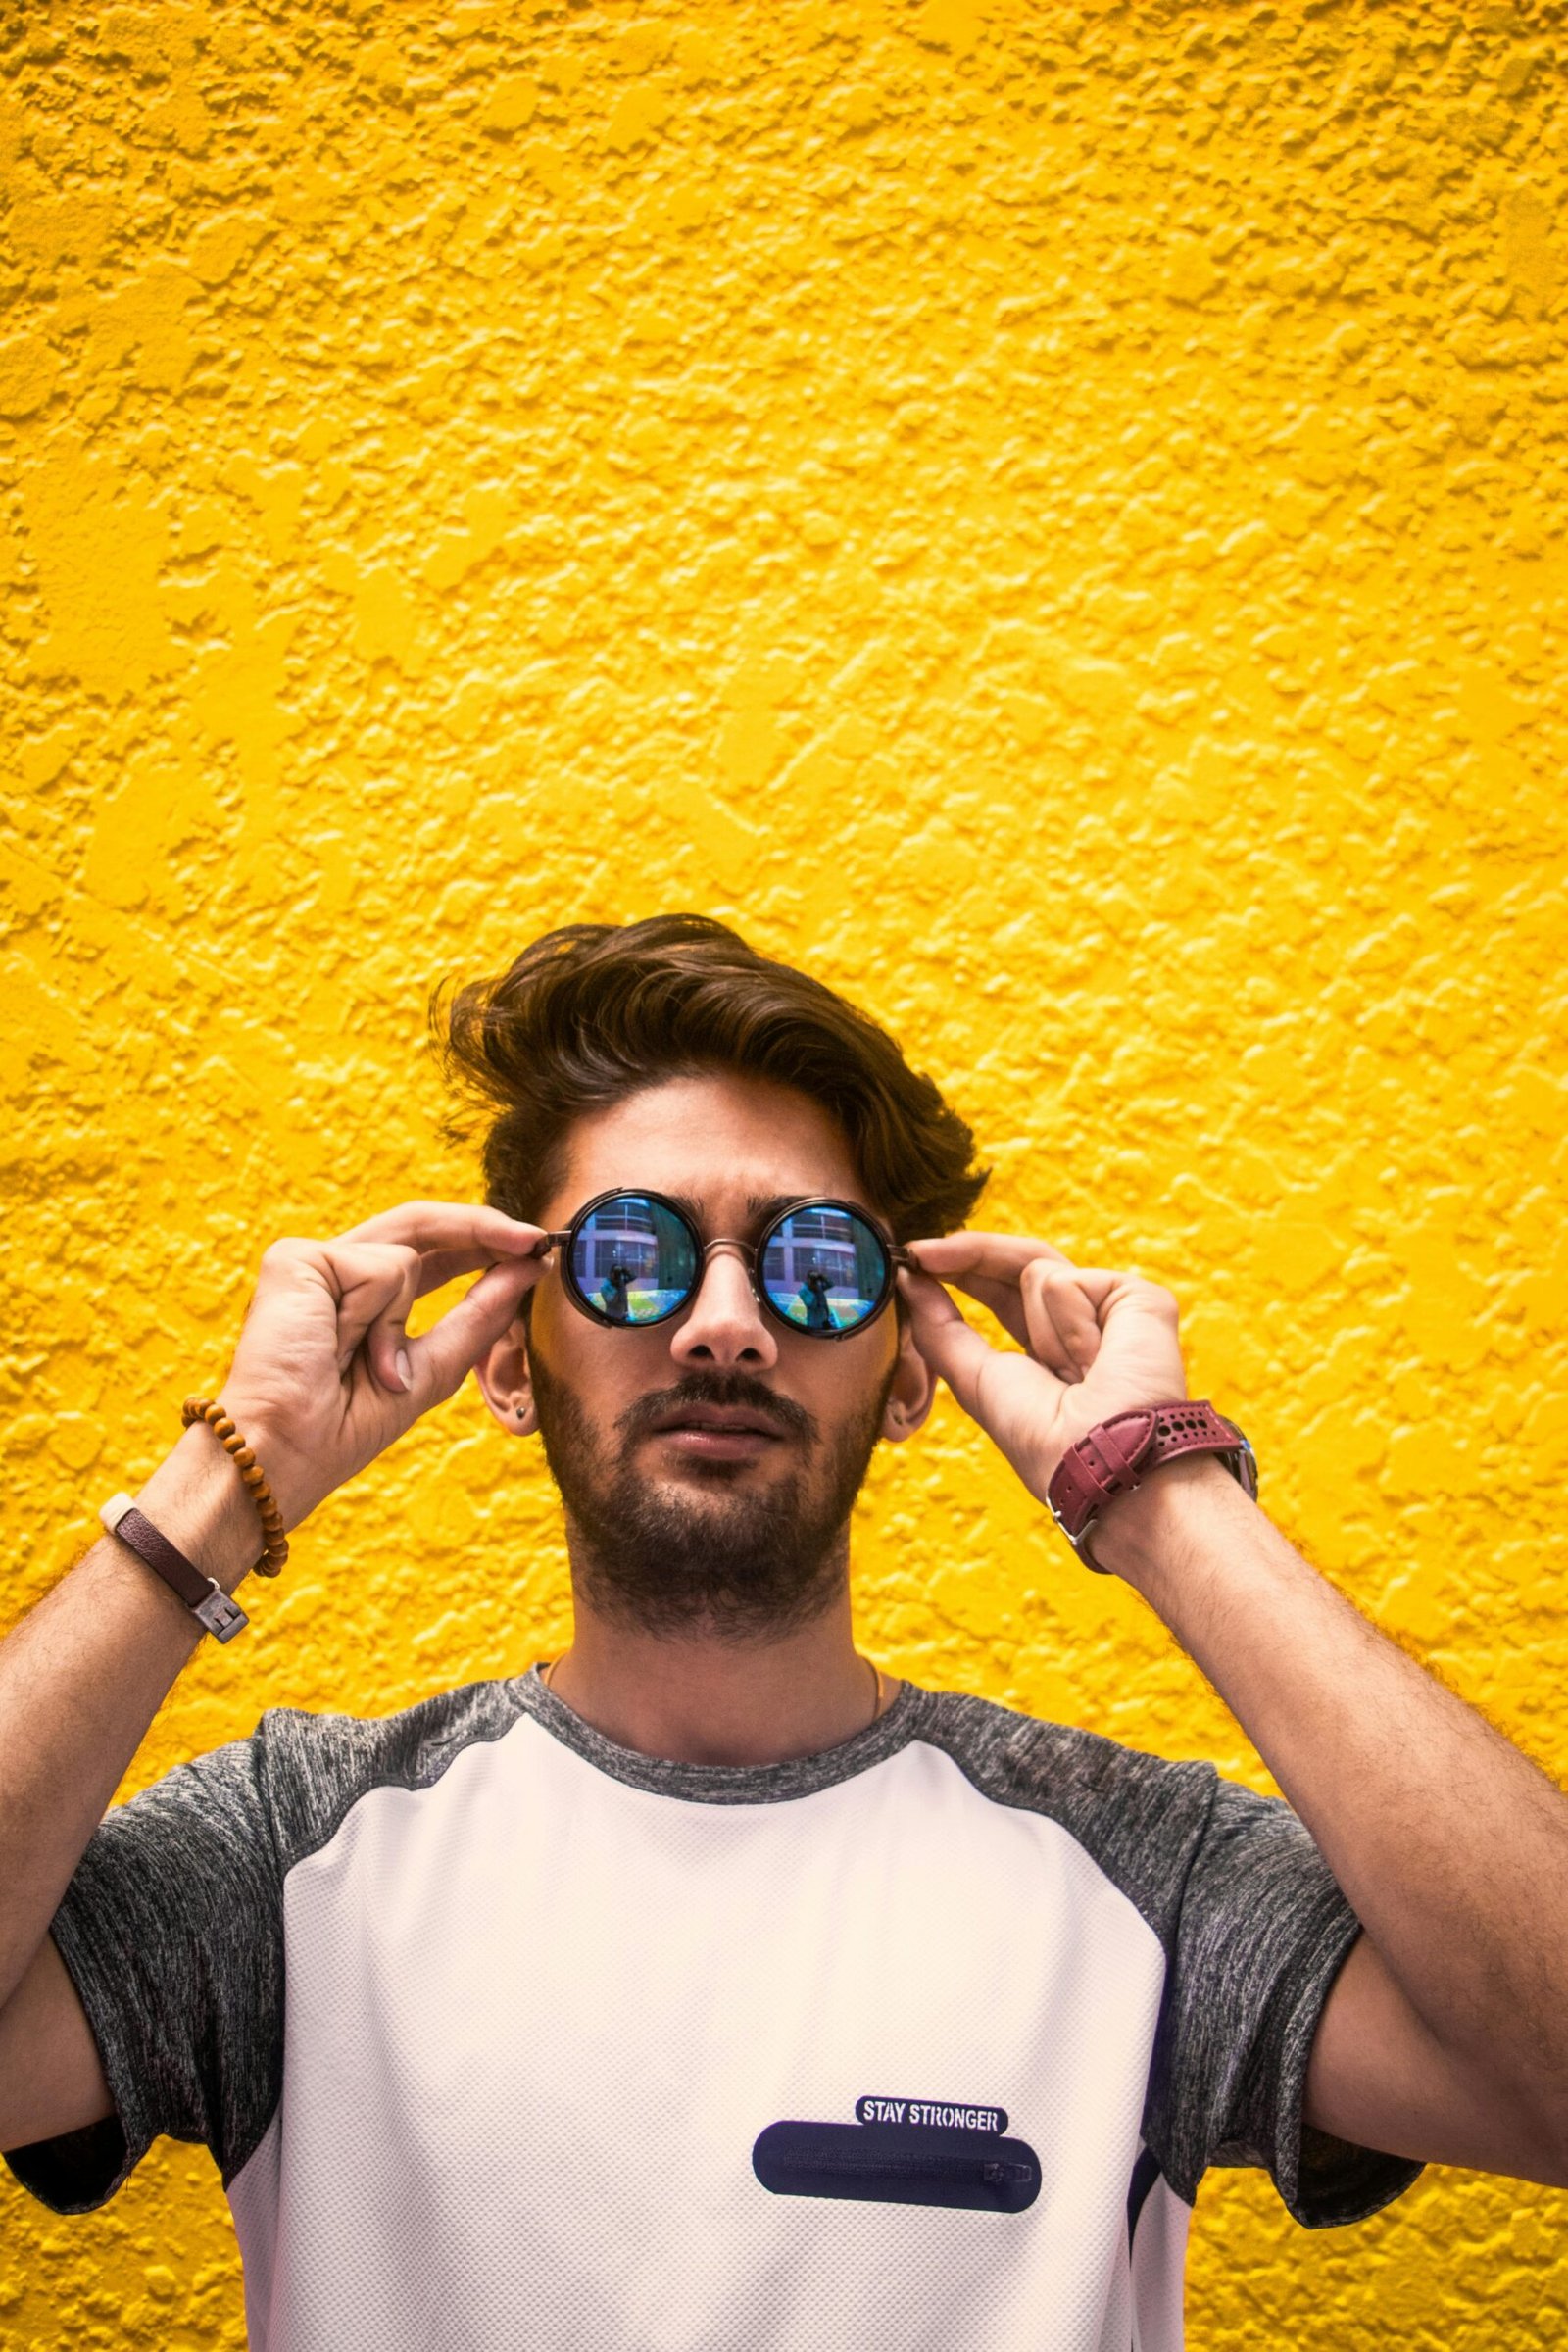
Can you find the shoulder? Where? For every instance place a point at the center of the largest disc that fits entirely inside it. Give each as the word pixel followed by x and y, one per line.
pixel 1055 1767
pixel 1141 1818
pixel 309 1769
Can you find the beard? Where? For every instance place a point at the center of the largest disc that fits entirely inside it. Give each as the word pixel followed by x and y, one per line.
pixel 712 1554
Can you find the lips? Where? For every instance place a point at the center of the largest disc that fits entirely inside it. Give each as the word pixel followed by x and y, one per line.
pixel 733 1419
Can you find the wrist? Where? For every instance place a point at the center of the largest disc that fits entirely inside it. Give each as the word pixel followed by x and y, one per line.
pixel 197 1498
pixel 1158 1526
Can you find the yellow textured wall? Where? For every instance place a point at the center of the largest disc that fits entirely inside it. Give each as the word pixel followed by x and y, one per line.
pixel 1052 516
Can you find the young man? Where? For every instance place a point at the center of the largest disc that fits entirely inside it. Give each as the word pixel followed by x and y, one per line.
pixel 709 1987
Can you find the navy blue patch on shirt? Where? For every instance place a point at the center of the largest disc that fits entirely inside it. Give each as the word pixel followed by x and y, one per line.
pixel 898 2164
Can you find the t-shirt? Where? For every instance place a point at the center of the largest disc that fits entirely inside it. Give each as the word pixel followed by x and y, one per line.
pixel 504 2035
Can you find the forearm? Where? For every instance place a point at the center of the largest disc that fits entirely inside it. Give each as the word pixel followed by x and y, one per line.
pixel 84 1675
pixel 1450 1847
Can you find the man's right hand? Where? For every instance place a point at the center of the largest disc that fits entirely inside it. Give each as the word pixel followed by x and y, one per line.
pixel 325 1376
pixel 315 1387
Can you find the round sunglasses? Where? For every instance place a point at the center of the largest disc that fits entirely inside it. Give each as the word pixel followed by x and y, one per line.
pixel 635 1258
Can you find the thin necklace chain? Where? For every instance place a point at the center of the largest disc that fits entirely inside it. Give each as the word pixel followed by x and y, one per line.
pixel 878 1682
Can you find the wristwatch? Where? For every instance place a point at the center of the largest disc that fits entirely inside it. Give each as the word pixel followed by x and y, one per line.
pixel 1119 1453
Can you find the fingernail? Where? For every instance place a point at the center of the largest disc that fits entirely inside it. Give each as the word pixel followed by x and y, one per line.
pixel 404 1370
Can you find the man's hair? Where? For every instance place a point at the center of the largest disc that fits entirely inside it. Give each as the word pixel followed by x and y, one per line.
pixel 593 1012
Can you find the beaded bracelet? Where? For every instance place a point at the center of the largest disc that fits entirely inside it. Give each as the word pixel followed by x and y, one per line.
pixel 202 1409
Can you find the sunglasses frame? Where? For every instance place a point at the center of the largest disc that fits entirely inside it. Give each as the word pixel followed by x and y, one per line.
pixel 563 1244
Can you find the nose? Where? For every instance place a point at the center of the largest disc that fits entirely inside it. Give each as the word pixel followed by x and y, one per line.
pixel 724 1324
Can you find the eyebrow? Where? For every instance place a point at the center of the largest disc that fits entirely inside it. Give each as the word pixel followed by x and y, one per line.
pixel 759 1206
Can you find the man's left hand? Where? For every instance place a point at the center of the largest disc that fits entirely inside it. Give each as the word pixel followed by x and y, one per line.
pixel 1096 1343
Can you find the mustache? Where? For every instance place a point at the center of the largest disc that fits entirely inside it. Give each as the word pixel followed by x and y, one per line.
pixel 734 1390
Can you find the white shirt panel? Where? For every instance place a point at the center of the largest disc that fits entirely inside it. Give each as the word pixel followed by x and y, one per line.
pixel 536 2018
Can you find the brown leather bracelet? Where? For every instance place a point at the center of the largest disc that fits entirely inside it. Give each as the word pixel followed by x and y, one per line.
pixel 218 1611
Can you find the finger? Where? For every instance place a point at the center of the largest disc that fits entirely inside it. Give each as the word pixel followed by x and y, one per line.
pixel 455 1225
pixel 989 1267
pixel 1063 1305
pixel 374 1285
pixel 1047 1339
pixel 956 1351
pixel 440 1361
pixel 1004 1300
pixel 438 1267
pixel 994 1256
pixel 946 1341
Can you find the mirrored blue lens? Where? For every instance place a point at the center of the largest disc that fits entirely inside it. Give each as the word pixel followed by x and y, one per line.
pixel 825 1269
pixel 632 1260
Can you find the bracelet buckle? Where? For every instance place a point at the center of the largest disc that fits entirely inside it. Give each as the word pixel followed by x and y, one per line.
pixel 220 1613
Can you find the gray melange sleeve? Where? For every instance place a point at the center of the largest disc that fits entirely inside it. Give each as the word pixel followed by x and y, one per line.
pixel 1260 1932
pixel 1255 1930
pixel 171 1932
pixel 172 1928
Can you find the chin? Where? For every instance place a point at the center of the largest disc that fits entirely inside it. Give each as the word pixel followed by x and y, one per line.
pixel 706 1477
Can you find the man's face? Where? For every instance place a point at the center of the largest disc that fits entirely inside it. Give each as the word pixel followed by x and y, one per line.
pixel 673 1525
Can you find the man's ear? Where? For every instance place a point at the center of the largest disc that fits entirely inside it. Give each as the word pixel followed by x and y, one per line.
pixel 505 1383
pixel 913 1390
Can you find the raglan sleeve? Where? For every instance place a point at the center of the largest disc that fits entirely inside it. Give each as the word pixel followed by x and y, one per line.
pixel 170 1930
pixel 1259 1936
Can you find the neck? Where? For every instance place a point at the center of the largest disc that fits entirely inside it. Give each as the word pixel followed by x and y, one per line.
pixel 693 1698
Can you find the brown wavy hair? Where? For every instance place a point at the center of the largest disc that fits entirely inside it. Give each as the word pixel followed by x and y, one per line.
pixel 593 1012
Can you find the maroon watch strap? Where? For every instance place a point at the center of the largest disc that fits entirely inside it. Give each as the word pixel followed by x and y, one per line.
pixel 1118 1454
pixel 219 1613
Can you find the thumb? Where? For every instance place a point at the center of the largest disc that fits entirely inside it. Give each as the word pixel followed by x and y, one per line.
pixel 956 1354
pixel 440 1361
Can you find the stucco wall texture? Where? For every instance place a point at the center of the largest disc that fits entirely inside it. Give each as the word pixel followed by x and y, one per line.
pixel 1052 518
